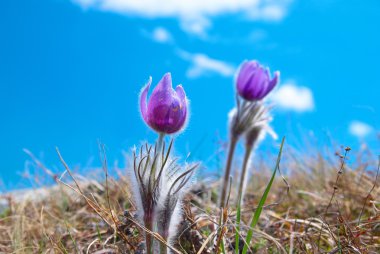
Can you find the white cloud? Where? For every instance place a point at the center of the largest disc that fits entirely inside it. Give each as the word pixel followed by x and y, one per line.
pixel 292 97
pixel 270 12
pixel 203 65
pixel 359 129
pixel 194 14
pixel 197 26
pixel 161 35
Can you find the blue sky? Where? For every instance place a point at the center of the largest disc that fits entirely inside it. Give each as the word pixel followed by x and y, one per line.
pixel 71 72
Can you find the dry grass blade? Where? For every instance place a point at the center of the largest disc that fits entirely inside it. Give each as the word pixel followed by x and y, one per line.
pixel 335 188
pixel 369 193
pixel 97 209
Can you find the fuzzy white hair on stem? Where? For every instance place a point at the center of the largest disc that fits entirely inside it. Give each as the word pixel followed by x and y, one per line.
pixel 159 184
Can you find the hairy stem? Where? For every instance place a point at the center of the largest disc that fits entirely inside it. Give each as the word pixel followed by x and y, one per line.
pixel 159 147
pixel 247 155
pixel 148 221
pixel 227 171
pixel 160 141
pixel 163 225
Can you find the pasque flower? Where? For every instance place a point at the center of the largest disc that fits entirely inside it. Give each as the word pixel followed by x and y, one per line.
pixel 254 81
pixel 166 110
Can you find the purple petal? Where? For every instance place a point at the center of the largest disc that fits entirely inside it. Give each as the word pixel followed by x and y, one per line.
pixel 258 83
pixel 163 116
pixel 163 106
pixel 271 84
pixel 247 70
pixel 247 92
pixel 162 93
pixel 181 93
pixel 166 82
pixel 264 88
pixel 182 108
pixel 144 98
pixel 275 80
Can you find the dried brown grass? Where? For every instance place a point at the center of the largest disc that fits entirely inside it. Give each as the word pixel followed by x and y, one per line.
pixel 91 216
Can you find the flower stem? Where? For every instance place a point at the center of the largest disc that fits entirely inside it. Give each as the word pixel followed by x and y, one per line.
pixel 160 141
pixel 159 147
pixel 247 155
pixel 227 171
pixel 148 238
pixel 149 222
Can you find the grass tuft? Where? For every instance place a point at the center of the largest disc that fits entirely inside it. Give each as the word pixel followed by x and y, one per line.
pixel 87 214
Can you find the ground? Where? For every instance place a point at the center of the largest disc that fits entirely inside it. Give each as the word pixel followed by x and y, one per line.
pixel 317 204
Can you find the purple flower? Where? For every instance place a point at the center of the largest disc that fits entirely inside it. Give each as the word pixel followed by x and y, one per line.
pixel 254 82
pixel 166 110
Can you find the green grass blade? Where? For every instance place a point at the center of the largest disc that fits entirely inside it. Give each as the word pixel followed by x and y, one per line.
pixel 339 243
pixel 223 247
pixel 238 218
pixel 98 232
pixel 259 209
pixel 71 237
pixel 62 247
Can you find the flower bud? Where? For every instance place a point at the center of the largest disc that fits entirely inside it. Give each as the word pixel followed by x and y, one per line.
pixel 254 82
pixel 166 109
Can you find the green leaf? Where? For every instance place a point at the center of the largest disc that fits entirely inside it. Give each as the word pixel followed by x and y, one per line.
pixel 259 209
